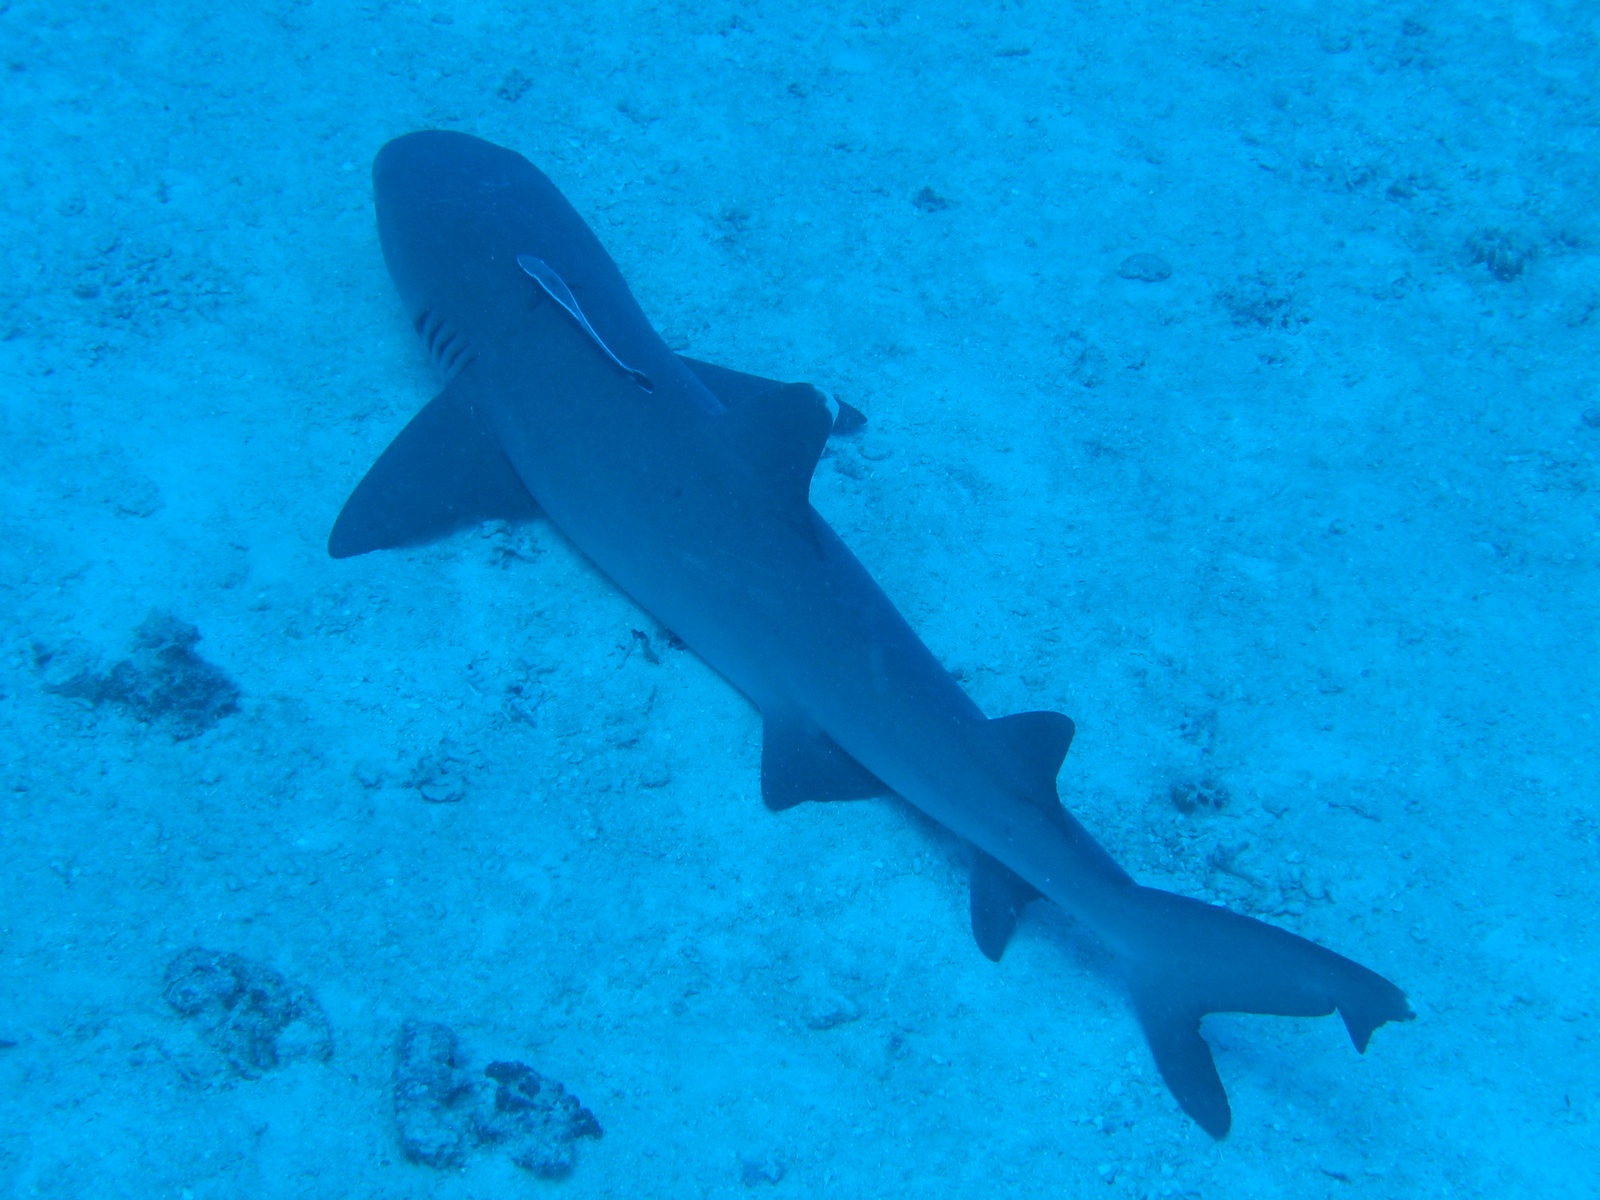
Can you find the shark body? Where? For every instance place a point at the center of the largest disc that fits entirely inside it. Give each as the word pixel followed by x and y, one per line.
pixel 688 485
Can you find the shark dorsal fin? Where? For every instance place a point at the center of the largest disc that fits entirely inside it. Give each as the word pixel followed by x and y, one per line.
pixel 1032 746
pixel 778 437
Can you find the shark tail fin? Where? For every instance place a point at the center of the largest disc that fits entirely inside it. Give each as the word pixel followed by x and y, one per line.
pixel 1188 958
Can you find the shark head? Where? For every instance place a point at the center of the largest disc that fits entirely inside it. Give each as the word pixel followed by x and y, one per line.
pixel 454 215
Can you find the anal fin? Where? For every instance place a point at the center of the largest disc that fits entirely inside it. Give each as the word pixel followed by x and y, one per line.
pixel 799 762
pixel 444 470
pixel 999 895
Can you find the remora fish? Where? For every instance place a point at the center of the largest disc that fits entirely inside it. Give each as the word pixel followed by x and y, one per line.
pixel 688 484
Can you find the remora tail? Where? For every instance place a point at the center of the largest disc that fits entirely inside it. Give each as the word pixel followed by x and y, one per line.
pixel 694 498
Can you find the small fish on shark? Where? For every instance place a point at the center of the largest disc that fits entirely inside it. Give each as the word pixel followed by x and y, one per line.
pixel 558 291
pixel 688 484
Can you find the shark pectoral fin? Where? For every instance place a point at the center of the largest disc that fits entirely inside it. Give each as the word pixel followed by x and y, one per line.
pixel 444 470
pixel 734 388
pixel 999 895
pixel 799 762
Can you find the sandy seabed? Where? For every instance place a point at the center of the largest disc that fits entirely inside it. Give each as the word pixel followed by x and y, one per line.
pixel 1302 530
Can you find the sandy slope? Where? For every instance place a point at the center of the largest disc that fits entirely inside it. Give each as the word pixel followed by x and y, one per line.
pixel 1312 520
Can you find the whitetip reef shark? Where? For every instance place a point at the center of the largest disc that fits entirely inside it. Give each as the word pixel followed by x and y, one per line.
pixel 689 484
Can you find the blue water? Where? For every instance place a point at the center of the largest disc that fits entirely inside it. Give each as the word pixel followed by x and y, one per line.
pixel 1302 516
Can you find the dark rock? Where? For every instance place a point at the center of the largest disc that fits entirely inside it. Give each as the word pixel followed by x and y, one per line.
pixel 443 1111
pixel 1205 797
pixel 1403 189
pixel 1263 301
pixel 248 1013
pixel 535 1121
pixel 1151 268
pixel 767 1169
pixel 1088 362
pixel 441 777
pixel 829 1009
pixel 516 86
pixel 641 641
pixel 930 201
pixel 435 1101
pixel 1506 255
pixel 165 682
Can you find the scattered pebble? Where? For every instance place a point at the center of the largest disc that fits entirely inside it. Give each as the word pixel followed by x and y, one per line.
pixel 1263 301
pixel 851 61
pixel 655 775
pixel 246 1012
pixel 641 642
pixel 830 1009
pixel 1151 268
pixel 766 1169
pixel 433 1098
pixel 516 86
pixel 874 451
pixel 441 776
pixel 534 1120
pixel 509 542
pixel 1205 797
pixel 1506 255
pixel 1334 41
pixel 165 682
pixel 443 1112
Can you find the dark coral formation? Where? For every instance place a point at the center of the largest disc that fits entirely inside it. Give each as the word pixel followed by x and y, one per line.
pixel 1263 301
pixel 435 1100
pixel 1206 796
pixel 444 1111
pixel 165 682
pixel 1504 253
pixel 535 1121
pixel 251 1015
